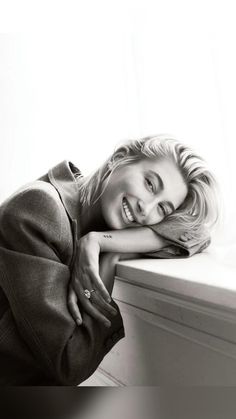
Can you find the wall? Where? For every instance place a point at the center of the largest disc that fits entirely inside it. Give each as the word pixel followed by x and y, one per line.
pixel 77 78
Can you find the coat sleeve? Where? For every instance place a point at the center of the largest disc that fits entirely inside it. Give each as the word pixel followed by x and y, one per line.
pixel 35 281
pixel 176 247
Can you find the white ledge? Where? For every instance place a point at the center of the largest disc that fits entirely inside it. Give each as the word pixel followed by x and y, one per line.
pixel 204 278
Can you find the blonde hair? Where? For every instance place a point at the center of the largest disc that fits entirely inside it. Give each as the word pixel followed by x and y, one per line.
pixel 200 208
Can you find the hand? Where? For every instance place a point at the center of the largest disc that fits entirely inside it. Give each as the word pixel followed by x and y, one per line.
pixel 186 236
pixel 85 275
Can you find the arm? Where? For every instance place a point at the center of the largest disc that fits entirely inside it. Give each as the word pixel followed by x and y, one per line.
pixel 157 241
pixel 107 265
pixel 130 240
pixel 35 281
pixel 115 245
pixel 162 240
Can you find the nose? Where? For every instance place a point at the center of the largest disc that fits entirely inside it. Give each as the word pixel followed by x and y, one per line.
pixel 145 208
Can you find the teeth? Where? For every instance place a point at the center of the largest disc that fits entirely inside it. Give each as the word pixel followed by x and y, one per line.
pixel 127 211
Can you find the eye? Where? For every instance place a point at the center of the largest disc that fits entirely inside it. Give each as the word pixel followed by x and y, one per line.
pixel 150 184
pixel 164 210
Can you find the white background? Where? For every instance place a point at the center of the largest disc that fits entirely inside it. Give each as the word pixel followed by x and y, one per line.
pixel 78 77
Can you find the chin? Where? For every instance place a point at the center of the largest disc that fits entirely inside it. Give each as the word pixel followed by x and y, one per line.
pixel 114 224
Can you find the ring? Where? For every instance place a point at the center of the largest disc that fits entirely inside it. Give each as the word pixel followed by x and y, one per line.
pixel 88 293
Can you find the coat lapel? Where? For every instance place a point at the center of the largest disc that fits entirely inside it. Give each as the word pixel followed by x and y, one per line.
pixel 63 178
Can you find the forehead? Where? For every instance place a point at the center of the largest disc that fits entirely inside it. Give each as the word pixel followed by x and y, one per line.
pixel 161 165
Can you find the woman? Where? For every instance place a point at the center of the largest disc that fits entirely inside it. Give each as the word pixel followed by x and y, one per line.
pixel 144 183
pixel 152 197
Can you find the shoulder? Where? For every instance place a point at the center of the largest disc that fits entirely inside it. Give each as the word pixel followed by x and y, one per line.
pixel 33 220
pixel 38 200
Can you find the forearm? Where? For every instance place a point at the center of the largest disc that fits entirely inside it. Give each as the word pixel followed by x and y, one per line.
pixel 130 240
pixel 107 264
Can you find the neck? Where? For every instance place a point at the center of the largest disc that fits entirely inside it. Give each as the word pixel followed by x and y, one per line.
pixel 91 219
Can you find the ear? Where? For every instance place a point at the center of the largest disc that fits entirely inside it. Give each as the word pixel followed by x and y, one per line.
pixel 119 154
pixel 109 166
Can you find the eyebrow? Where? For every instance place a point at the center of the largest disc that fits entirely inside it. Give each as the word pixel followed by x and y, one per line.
pixel 160 181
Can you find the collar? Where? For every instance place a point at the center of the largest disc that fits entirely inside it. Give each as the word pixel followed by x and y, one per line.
pixel 63 178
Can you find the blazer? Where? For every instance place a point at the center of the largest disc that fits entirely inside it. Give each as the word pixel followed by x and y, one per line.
pixel 40 344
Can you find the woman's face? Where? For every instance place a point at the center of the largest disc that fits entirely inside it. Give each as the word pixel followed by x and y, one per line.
pixel 142 193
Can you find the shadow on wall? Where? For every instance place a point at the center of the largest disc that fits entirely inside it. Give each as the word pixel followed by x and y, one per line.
pixel 117 403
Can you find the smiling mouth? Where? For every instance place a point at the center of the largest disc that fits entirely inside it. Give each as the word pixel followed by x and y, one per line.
pixel 127 211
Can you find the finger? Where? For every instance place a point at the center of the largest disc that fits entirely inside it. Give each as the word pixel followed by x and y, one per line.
pixel 94 279
pixel 96 299
pixel 95 313
pixel 88 306
pixel 73 307
pixel 183 238
pixel 100 287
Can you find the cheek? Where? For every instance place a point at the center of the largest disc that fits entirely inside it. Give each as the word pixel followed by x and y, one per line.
pixel 110 199
pixel 136 187
pixel 155 217
pixel 127 184
pixel 182 196
pixel 112 195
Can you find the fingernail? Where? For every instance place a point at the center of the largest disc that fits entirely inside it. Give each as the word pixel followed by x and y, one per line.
pixel 79 322
pixel 107 324
pixel 109 300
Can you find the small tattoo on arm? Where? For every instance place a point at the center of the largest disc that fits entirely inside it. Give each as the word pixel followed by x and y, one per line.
pixel 107 236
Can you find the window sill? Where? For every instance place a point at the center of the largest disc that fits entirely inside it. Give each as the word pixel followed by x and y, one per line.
pixel 180 322
pixel 204 278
